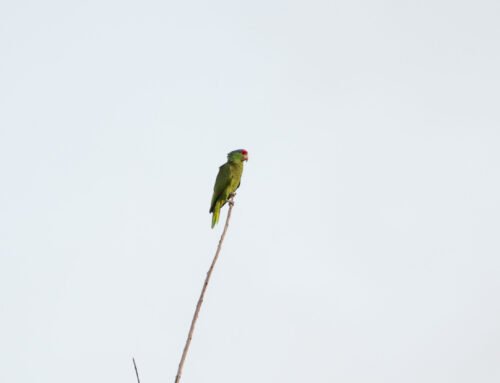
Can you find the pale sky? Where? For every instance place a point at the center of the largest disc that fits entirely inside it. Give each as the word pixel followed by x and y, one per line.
pixel 364 244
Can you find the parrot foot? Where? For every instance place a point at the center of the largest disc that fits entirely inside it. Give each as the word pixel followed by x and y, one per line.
pixel 231 199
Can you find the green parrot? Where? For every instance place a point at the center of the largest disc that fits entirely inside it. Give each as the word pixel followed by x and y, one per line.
pixel 228 180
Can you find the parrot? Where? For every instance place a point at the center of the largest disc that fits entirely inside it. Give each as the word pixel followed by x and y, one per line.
pixel 227 181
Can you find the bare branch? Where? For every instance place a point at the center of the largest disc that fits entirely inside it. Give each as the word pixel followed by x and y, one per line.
pixel 200 300
pixel 136 372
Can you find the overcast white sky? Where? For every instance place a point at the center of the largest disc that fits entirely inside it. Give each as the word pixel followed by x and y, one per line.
pixel 364 245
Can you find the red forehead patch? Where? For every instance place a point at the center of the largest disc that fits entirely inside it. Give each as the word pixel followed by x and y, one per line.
pixel 244 152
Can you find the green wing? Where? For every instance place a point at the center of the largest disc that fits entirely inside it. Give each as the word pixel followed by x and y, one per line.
pixel 222 183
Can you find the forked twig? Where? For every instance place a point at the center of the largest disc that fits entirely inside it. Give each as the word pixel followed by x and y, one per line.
pixel 202 294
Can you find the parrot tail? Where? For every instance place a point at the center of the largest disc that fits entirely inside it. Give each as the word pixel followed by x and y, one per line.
pixel 215 214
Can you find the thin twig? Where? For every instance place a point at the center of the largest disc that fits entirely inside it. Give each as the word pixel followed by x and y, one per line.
pixel 136 372
pixel 200 300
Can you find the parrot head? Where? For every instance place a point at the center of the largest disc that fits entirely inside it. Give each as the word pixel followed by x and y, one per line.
pixel 238 155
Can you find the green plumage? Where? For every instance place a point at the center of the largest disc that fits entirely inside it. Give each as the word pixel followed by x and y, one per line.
pixel 228 180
